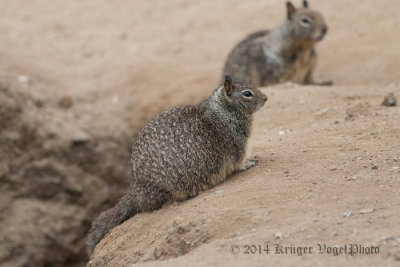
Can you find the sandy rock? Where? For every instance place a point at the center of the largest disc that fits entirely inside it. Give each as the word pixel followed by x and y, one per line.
pixel 65 102
pixel 81 137
pixel 23 79
pixel 366 211
pixel 332 168
pixel 389 100
pixel 346 214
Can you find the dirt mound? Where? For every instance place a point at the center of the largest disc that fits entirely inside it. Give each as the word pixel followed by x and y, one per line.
pixel 331 178
pixel 55 178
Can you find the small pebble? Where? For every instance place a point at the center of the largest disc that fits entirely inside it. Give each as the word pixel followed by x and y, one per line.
pixel 278 235
pixel 397 239
pixel 286 171
pixel 389 100
pixel 332 168
pixel 346 214
pixel 366 211
pixel 80 137
pixel 322 111
pixel 65 102
pixel 374 167
pixel 170 231
pixel 46 148
pixel 177 221
pixel 23 79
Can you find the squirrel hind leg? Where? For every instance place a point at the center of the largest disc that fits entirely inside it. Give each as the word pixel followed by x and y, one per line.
pixel 309 79
pixel 320 83
pixel 325 83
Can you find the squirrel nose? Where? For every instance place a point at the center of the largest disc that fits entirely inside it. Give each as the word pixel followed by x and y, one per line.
pixel 265 99
pixel 324 30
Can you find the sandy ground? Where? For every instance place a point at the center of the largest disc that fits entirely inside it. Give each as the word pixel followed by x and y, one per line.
pixel 311 172
pixel 120 62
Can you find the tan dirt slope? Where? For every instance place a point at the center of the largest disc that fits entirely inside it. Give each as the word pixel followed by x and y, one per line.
pixel 342 155
pixel 120 62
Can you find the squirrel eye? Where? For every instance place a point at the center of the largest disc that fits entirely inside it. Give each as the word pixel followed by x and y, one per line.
pixel 305 20
pixel 247 93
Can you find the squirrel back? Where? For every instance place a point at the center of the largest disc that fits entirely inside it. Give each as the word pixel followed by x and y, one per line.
pixel 185 150
pixel 286 53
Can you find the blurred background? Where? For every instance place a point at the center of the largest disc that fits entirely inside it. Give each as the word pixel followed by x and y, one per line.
pixel 79 78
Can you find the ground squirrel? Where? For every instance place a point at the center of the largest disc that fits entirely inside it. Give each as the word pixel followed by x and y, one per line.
pixel 185 150
pixel 285 53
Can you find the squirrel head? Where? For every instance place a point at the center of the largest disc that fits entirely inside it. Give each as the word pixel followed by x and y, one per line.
pixel 305 25
pixel 245 98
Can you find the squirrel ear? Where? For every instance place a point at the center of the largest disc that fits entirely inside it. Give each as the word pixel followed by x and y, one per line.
pixel 290 9
pixel 228 85
pixel 305 4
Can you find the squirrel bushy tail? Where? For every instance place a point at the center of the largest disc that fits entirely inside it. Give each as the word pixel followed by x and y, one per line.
pixel 137 199
pixel 111 218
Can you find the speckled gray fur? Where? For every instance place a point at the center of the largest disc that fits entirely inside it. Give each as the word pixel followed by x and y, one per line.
pixel 286 53
pixel 183 151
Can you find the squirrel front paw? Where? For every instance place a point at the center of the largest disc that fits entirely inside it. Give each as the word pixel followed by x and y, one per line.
pixel 326 83
pixel 247 164
pixel 320 83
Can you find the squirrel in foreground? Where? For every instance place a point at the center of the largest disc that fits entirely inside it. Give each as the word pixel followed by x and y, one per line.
pixel 186 150
pixel 283 54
